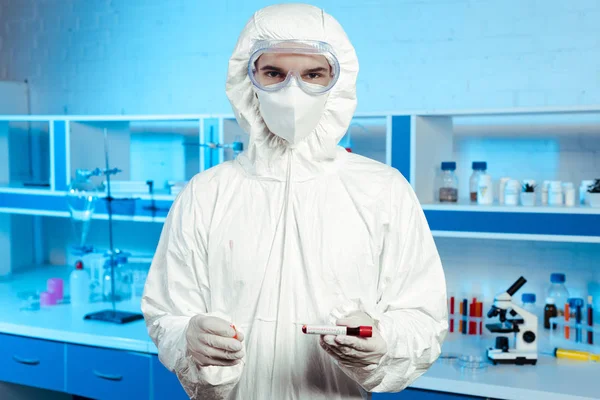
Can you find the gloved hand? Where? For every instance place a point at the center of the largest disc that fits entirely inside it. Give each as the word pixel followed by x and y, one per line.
pixel 354 351
pixel 213 341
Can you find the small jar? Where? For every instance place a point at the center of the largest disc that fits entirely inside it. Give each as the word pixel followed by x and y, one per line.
pixel 485 190
pixel 545 190
pixel 511 192
pixel 528 198
pixel 501 188
pixel 555 193
pixel 479 168
pixel 448 186
pixel 569 194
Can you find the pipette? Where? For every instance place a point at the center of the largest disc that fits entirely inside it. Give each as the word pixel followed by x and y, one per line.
pixel 576 355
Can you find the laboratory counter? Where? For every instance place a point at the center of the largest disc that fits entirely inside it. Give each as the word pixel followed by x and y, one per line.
pixel 101 344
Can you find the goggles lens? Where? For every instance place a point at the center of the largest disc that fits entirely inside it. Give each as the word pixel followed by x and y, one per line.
pixel 273 65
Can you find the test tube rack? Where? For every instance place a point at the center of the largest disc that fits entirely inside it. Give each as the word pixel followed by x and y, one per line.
pixel 465 317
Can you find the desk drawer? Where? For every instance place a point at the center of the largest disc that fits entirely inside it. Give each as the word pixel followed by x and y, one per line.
pixel 107 374
pixel 32 362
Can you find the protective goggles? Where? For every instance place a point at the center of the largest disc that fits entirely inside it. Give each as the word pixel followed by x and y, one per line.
pixel 274 64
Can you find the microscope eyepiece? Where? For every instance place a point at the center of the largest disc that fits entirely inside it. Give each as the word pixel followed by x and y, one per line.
pixel 516 286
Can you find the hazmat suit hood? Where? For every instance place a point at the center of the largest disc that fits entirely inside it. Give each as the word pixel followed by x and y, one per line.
pixel 266 154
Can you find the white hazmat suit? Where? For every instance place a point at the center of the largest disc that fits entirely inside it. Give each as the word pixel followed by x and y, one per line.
pixel 290 234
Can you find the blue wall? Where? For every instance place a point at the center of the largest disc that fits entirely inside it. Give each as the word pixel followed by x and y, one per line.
pixel 154 56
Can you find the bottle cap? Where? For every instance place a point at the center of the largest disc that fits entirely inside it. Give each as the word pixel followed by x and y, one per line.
pixel 528 297
pixel 550 300
pixel 575 302
pixel 448 166
pixel 79 265
pixel 558 278
pixel 479 165
pixel 556 185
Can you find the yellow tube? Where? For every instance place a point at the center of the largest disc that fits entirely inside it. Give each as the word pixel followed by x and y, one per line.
pixel 576 355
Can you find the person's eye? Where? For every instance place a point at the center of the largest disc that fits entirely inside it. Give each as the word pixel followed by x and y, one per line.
pixel 314 75
pixel 273 74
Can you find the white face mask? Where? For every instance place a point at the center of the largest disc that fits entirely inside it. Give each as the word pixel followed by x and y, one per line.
pixel 291 113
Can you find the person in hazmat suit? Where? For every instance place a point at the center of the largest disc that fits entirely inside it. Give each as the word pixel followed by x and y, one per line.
pixel 294 231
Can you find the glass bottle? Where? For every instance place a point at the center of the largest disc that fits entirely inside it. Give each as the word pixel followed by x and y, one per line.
pixel 448 184
pixel 550 311
pixel 558 291
pixel 528 301
pixel 479 168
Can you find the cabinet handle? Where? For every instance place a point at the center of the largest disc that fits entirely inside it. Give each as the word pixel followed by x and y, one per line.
pixel 25 361
pixel 108 377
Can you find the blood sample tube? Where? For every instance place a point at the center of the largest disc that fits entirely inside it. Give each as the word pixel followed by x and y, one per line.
pixel 361 331
pixel 567 329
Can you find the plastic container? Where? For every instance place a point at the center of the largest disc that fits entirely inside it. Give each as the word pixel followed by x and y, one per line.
pixel 511 192
pixel 485 190
pixel 555 193
pixel 79 284
pixel 479 168
pixel 501 188
pixel 528 198
pixel 448 185
pixel 583 188
pixel 558 291
pixel 47 299
pixel 545 194
pixel 569 194
pixel 56 287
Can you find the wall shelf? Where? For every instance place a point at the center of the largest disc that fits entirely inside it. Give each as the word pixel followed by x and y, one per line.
pixel 414 142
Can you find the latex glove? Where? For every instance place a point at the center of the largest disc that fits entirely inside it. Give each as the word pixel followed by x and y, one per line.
pixel 355 351
pixel 213 341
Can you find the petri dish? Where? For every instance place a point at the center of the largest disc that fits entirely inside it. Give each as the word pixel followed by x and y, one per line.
pixel 472 364
pixel 448 358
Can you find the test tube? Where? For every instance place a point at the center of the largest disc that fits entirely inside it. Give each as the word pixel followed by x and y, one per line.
pixel 472 316
pixel 465 307
pixel 578 320
pixel 480 315
pixel 567 329
pixel 460 322
pixel 451 322
pixel 590 321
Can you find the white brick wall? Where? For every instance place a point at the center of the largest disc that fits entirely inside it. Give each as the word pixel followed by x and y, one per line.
pixel 156 56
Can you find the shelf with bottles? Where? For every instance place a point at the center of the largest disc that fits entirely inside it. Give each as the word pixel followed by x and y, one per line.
pixel 519 149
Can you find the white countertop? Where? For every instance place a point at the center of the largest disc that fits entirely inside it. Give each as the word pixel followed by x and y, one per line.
pixel 63 322
pixel 550 379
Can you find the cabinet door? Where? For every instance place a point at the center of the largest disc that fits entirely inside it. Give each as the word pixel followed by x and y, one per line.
pixel 107 374
pixel 32 362
pixel 165 384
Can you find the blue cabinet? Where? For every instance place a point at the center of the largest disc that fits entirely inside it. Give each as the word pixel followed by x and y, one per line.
pixel 32 362
pixel 418 394
pixel 107 374
pixel 165 384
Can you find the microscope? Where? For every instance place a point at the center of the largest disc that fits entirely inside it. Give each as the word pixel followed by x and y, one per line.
pixel 521 322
